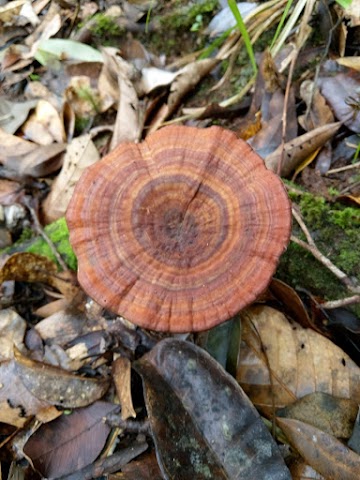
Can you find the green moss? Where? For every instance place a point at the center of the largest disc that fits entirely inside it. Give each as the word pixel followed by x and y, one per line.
pixel 179 26
pixel 58 234
pixel 313 209
pixel 185 17
pixel 335 229
pixel 105 26
pixel 25 235
pixel 346 218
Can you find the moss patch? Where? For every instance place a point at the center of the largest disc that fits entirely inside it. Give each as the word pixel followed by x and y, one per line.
pixel 58 234
pixel 335 229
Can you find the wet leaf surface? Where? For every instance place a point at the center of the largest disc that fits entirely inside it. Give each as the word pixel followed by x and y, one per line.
pixel 203 424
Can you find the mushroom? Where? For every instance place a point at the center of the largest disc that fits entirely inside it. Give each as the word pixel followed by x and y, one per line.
pixel 180 232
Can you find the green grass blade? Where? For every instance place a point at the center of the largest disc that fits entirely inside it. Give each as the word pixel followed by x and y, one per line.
pixel 242 29
pixel 282 21
pixel 215 44
pixel 344 3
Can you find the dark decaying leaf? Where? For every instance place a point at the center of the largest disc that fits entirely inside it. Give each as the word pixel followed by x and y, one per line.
pixel 323 452
pixel 17 404
pixel 71 441
pixel 144 468
pixel 203 424
pixel 57 386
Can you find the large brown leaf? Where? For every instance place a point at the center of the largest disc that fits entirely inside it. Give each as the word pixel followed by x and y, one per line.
pixel 300 360
pixel 203 424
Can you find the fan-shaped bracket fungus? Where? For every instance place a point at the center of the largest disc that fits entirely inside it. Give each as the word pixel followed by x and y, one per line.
pixel 180 232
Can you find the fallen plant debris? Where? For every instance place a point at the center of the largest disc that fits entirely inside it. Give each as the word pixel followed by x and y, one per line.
pixel 184 135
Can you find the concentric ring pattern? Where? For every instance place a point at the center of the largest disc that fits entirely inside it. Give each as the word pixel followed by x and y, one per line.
pixel 180 232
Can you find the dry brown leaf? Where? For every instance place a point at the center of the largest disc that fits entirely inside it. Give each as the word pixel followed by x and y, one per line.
pixel 39 161
pixel 17 404
pixel 51 308
pixel 83 98
pixel 333 415
pixel 350 62
pixel 10 11
pixel 319 112
pixel 62 327
pixel 291 301
pixel 146 468
pixel 297 150
pixel 351 13
pixel 323 452
pixel 14 114
pixel 12 331
pixel 44 126
pixel 185 81
pixel 56 386
pixel 121 371
pixel 341 93
pixel 301 362
pixel 27 267
pixel 128 124
pixel 9 192
pixel 80 153
pixel 49 26
pixel 71 441
pixel 301 471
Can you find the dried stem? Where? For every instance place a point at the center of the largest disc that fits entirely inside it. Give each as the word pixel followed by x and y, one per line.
pixel 312 248
pixel 41 232
pixel 341 303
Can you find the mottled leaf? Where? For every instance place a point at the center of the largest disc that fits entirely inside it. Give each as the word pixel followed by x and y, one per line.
pixel 203 424
pixel 57 386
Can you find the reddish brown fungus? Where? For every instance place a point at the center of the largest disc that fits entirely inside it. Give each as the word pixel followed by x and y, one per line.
pixel 181 231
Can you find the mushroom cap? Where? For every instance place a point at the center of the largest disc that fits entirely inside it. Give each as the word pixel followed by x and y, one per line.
pixel 180 232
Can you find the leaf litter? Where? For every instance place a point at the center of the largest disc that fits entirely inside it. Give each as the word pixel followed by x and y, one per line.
pixel 67 98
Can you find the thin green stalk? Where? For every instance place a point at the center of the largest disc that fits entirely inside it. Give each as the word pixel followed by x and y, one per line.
pixel 344 3
pixel 215 44
pixel 242 29
pixel 281 23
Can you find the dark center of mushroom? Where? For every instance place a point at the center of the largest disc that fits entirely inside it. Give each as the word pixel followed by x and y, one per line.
pixel 179 227
pixel 179 222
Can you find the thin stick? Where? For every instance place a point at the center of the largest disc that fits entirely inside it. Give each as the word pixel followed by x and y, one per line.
pixel 41 231
pixel 340 303
pixel 327 263
pixel 342 169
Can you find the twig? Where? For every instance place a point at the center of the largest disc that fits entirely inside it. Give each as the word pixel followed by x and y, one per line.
pixel 41 231
pixel 340 303
pixel 107 465
pixel 133 426
pixel 284 113
pixel 327 263
pixel 342 169
pixel 312 248
pixel 302 225
pixel 349 187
